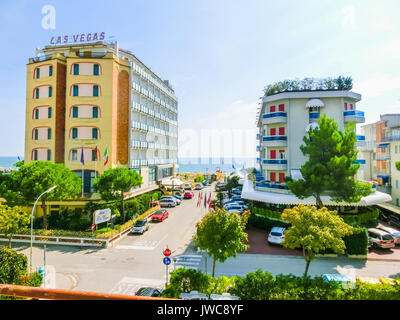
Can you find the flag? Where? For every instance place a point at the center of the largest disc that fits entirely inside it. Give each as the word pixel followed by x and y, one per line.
pixel 209 199
pixel 82 157
pixel 105 156
pixel 233 166
pixel 198 200
pixel 205 202
pixel 19 159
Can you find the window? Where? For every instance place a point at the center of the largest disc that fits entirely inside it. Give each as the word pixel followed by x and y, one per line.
pixel 74 133
pixel 74 155
pixel 282 107
pixel 345 106
pixel 272 109
pixel 49 113
pixel 37 73
pixel 48 155
pixel 48 133
pixel 272 131
pixel 281 177
pixel 37 93
pixel 96 69
pixel 50 91
pixel 273 176
pixel 75 92
pixel 76 69
pixel 94 156
pixel 95 112
pixel 35 155
pixel 397 184
pixel 50 71
pixel 37 113
pixel 351 106
pixel 94 133
pixel 397 201
pixel 74 112
pixel 95 91
pixel 273 154
pixel 36 134
pixel 282 131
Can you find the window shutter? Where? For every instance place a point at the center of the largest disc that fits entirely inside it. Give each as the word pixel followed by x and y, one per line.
pixel 49 112
pixel 37 73
pixel 281 177
pixel 48 133
pixel 76 69
pixel 272 109
pixel 95 91
pixel 74 112
pixel 50 91
pixel 37 113
pixel 37 93
pixel 282 131
pixel 36 133
pixel 272 131
pixel 345 106
pixel 273 154
pixel 48 155
pixel 96 69
pixel 273 176
pixel 75 91
pixel 94 133
pixel 35 155
pixel 74 133
pixel 281 107
pixel 93 155
pixel 50 71
pixel 95 112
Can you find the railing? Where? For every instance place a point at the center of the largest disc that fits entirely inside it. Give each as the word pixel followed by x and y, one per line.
pixel 274 115
pixel 42 58
pixel 314 115
pixel 271 185
pixel 360 161
pixel 92 55
pixel 275 161
pixel 357 113
pixel 58 294
pixel 382 156
pixel 274 138
pixel 390 138
pixel 360 138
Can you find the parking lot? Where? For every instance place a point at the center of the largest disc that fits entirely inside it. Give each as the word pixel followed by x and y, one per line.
pixel 392 254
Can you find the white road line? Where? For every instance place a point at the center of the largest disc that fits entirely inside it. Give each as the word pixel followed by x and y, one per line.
pixel 142 245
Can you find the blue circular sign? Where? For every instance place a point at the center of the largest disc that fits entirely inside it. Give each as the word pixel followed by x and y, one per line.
pixel 167 261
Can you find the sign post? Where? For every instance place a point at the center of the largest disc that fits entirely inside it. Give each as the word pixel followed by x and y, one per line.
pixel 167 262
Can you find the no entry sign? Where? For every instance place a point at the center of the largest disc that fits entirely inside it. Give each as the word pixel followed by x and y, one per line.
pixel 167 252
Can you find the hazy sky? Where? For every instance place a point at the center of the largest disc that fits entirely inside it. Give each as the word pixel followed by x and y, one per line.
pixel 218 55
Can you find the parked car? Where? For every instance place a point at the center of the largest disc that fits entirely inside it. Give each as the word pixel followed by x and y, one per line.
pixel 177 199
pixel 159 215
pixel 236 192
pixel 154 203
pixel 276 235
pixel 140 226
pixel 198 186
pixel 148 292
pixel 188 195
pixel 393 232
pixel 234 208
pixel 380 239
pixel 236 197
pixel 219 186
pixel 168 202
pixel 187 186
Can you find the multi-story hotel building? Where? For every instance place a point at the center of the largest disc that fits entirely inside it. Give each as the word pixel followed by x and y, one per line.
pixel 381 152
pixel 96 97
pixel 283 120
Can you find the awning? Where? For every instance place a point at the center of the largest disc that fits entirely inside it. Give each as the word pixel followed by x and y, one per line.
pixel 296 174
pixel 172 182
pixel 383 145
pixel 250 193
pixel 314 103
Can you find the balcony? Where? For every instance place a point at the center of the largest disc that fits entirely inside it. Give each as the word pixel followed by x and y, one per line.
pixel 139 163
pixel 258 160
pixel 390 138
pixel 258 148
pixel 382 156
pixel 275 117
pixel 274 141
pixel 272 187
pixel 360 141
pixel 258 136
pixel 275 164
pixel 361 162
pixel 313 116
pixel 355 116
pixel 140 126
pixel 140 144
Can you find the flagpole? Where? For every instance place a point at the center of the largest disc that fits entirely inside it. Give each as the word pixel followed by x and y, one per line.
pixel 83 176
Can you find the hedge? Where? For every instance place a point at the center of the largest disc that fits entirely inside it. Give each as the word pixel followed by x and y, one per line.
pixel 361 218
pixel 266 223
pixel 267 212
pixel 357 243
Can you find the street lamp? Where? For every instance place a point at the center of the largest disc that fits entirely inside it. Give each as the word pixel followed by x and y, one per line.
pixel 33 210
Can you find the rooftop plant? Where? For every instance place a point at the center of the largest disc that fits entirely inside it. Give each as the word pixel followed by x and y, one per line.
pixel 310 84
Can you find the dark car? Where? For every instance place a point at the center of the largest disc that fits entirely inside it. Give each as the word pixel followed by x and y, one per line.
pixel 148 292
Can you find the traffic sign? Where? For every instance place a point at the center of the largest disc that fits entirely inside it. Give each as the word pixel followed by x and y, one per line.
pixel 167 261
pixel 92 227
pixel 167 252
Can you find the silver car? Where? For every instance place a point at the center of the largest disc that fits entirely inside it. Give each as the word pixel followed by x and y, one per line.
pixel 393 232
pixel 380 239
pixel 177 200
pixel 140 226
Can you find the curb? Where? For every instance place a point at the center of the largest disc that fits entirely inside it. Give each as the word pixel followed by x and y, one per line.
pixel 384 260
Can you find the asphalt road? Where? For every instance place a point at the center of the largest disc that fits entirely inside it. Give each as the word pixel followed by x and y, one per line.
pixel 134 262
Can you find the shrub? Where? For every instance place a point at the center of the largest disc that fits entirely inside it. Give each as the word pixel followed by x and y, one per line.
pixel 186 280
pixel 266 223
pixel 267 212
pixel 367 217
pixel 357 243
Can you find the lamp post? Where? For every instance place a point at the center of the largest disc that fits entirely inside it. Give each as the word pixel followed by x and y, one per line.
pixel 33 210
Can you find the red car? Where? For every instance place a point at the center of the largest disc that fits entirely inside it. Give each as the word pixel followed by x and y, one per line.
pixel 188 195
pixel 159 215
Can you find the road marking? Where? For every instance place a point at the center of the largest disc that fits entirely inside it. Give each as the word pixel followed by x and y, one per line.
pixel 128 285
pixel 142 244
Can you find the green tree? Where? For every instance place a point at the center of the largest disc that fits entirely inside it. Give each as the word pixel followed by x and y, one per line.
pixel 25 185
pixel 185 280
pixel 12 221
pixel 314 231
pixel 397 163
pixel 231 183
pixel 113 183
pixel 221 235
pixel 330 166
pixel 14 269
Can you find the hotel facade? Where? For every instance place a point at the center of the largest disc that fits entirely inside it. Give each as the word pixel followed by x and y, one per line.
pixel 283 120
pixel 103 101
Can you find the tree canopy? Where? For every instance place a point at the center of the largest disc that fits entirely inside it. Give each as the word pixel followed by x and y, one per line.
pixel 12 220
pixel 314 231
pixel 221 235
pixel 330 165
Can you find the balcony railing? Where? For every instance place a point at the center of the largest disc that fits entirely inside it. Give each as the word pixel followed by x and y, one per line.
pixel 354 116
pixel 360 161
pixel 314 115
pixel 390 138
pixel 274 115
pixel 382 156
pixel 274 161
pixel 275 138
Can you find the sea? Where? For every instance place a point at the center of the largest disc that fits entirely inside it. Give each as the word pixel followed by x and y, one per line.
pixel 189 165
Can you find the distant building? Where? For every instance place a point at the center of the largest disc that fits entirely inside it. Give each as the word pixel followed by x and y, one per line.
pixel 381 152
pixel 97 97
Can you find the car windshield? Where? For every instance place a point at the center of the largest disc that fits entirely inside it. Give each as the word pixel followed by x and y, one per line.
pixel 276 234
pixel 387 237
pixel 396 234
pixel 157 213
pixel 139 223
